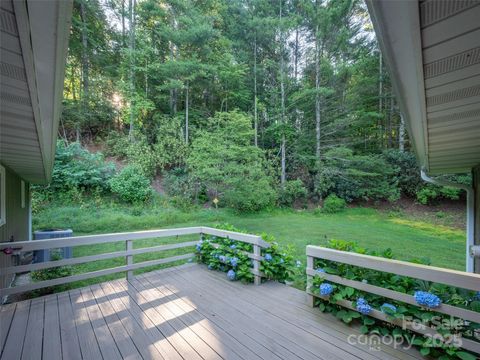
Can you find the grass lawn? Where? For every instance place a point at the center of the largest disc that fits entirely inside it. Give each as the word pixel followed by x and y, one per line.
pixel 409 239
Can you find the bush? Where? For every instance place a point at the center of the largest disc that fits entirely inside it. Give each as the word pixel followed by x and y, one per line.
pixel 177 183
pixel 76 167
pixel 426 294
pixel 405 170
pixel 356 177
pixel 293 191
pixel 230 255
pixel 143 157
pixel 131 185
pixel 52 273
pixel 333 204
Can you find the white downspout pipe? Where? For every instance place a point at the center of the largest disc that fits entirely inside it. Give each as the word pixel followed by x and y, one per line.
pixel 470 214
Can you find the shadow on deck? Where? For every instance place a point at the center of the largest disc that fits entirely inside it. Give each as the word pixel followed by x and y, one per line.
pixel 184 312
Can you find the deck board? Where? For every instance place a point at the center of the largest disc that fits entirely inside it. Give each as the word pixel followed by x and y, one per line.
pixel 185 312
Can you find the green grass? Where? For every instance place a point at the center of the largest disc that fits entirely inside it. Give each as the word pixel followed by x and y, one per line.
pixel 409 239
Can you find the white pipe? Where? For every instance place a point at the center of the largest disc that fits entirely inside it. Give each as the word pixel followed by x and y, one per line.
pixel 470 215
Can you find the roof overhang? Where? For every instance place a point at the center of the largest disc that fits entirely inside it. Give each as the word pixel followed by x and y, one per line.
pixel 34 41
pixel 432 50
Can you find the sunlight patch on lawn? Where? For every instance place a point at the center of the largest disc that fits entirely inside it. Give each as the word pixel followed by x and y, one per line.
pixel 432 229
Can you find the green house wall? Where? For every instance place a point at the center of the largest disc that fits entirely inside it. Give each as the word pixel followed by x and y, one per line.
pixel 17 226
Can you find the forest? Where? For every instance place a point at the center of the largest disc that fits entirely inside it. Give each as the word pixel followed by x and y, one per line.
pixel 246 104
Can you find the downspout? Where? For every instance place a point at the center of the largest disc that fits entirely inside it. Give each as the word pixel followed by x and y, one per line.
pixel 470 248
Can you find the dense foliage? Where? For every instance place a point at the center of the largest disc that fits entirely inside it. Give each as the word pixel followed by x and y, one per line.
pixel 427 295
pixel 150 78
pixel 233 171
pixel 76 167
pixel 131 185
pixel 230 256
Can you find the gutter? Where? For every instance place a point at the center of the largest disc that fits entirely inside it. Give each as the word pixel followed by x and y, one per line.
pixel 472 250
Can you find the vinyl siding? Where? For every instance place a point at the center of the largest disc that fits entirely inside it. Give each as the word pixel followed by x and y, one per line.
pixel 17 218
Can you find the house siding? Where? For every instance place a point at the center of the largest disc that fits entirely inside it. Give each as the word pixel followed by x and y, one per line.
pixel 476 187
pixel 17 218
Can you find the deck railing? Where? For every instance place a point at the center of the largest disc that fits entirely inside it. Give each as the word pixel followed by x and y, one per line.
pixel 128 253
pixel 454 278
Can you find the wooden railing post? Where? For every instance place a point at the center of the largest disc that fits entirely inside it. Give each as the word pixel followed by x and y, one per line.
pixel 256 265
pixel 129 258
pixel 310 298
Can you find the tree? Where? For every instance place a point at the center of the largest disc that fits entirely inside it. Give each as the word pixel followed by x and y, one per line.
pixel 223 160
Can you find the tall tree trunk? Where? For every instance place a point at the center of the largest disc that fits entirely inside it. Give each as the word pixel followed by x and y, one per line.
pixel 298 120
pixel 173 92
pixel 282 93
pixel 85 68
pixel 123 23
pixel 255 111
pixel 390 120
pixel 131 6
pixel 317 96
pixel 380 98
pixel 187 90
pixel 401 134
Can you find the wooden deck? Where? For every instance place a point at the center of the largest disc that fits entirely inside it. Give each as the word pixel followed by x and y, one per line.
pixel 184 312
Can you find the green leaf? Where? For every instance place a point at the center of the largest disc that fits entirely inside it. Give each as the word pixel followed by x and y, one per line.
pixel 368 321
pixel 349 291
pixel 340 314
pixel 321 306
pixel 475 306
pixel 364 329
pixel 425 351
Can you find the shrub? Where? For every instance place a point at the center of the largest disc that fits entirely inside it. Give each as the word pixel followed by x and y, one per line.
pixel 293 191
pixel 231 255
pixel 352 177
pixel 76 167
pixel 405 170
pixel 333 204
pixel 117 144
pixel 143 157
pixel 131 185
pixel 177 183
pixel 52 273
pixel 427 295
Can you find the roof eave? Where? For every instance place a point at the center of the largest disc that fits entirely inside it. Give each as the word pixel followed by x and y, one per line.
pixel 397 25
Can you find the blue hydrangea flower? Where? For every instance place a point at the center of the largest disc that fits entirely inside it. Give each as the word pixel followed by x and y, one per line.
pixel 231 275
pixel 363 307
pixel 388 306
pixel 210 266
pixel 326 289
pixel 234 261
pixel 199 246
pixel 282 261
pixel 222 258
pixel 320 270
pixel 268 257
pixel 477 296
pixel 298 263
pixel 233 247
pixel 427 299
pixel 361 301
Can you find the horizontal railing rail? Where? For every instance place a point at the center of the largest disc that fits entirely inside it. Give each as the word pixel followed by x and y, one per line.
pixel 129 237
pixel 417 271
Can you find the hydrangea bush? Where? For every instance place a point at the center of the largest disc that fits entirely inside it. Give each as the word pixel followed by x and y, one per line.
pixel 230 256
pixel 428 296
